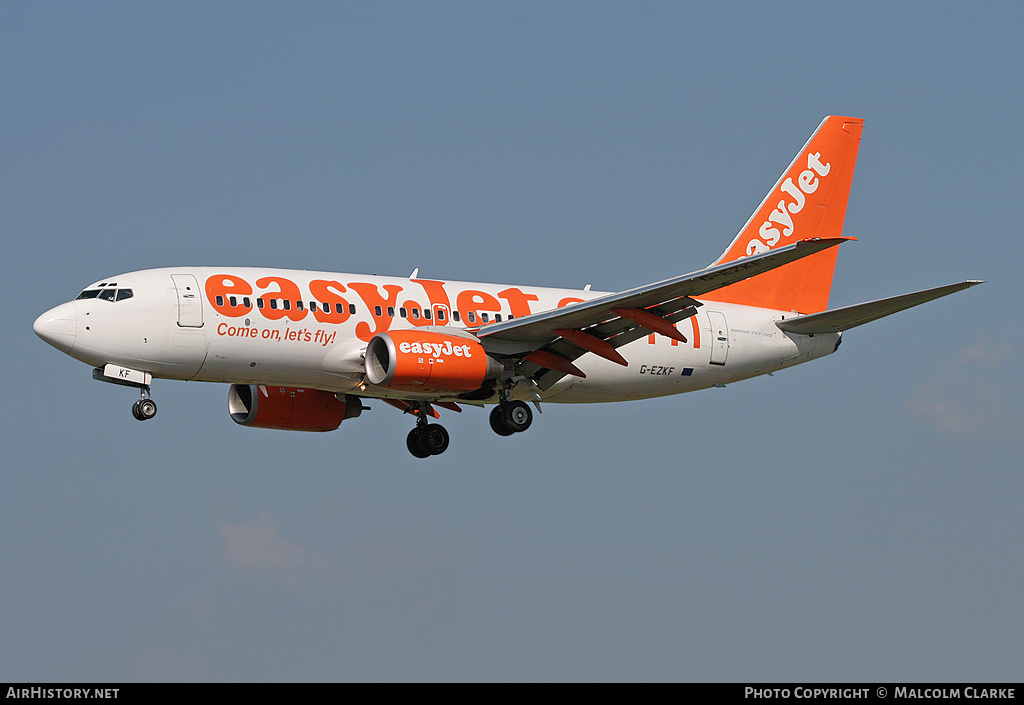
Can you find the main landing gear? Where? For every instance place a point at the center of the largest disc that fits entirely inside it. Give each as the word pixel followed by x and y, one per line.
pixel 510 417
pixel 145 408
pixel 506 418
pixel 427 438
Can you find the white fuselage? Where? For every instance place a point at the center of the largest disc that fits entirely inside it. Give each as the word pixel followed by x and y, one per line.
pixel 309 329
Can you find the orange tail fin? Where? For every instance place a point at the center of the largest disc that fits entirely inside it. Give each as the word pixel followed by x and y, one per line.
pixel 808 201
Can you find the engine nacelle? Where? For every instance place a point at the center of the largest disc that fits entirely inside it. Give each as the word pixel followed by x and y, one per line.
pixel 289 408
pixel 427 361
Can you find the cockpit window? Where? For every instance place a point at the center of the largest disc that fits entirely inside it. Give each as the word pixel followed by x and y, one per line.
pixel 107 294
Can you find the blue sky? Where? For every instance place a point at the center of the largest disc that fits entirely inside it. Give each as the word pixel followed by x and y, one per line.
pixel 857 518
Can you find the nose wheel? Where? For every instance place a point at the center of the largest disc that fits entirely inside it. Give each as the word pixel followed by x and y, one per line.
pixel 145 408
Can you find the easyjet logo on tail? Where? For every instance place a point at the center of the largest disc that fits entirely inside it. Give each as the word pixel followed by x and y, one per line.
pixel 808 201
pixel 779 223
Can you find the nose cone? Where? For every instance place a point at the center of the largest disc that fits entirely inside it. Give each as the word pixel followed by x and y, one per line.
pixel 57 327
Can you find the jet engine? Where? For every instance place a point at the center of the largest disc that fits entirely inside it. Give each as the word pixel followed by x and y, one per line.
pixel 428 361
pixel 289 408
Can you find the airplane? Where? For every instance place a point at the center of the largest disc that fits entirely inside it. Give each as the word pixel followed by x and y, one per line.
pixel 303 350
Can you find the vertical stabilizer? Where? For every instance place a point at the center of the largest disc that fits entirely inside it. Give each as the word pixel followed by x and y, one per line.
pixel 808 201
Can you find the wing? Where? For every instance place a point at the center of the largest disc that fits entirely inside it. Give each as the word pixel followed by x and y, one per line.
pixel 848 317
pixel 548 342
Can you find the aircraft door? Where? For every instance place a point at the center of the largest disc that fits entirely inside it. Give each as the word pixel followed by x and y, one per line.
pixel 719 337
pixel 190 302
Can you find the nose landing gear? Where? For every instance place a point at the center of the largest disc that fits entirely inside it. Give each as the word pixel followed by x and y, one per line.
pixel 145 408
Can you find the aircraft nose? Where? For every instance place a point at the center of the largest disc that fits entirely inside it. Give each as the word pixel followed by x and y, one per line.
pixel 57 326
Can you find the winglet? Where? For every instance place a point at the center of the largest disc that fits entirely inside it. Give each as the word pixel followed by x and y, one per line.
pixel 808 201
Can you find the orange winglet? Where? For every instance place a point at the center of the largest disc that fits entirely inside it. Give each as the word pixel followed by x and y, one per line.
pixel 554 362
pixel 650 321
pixel 592 344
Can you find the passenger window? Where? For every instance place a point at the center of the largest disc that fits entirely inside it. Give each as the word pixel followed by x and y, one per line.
pixel 259 303
pixel 440 314
pixel 416 313
pixel 220 300
pixel 426 313
pixel 377 311
pixel 273 304
pixel 391 311
pixel 246 302
pixel 483 317
pixel 298 305
pixel 497 318
pixel 455 315
pixel 338 308
pixel 287 304
pixel 351 309
pixel 471 317
pixel 233 301
pixel 403 312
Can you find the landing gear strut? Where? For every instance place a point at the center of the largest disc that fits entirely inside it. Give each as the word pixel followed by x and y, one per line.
pixel 427 438
pixel 145 408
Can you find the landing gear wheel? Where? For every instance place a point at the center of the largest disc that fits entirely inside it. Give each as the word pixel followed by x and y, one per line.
pixel 511 417
pixel 518 416
pixel 412 443
pixel 144 409
pixel 424 441
pixel 497 420
pixel 433 438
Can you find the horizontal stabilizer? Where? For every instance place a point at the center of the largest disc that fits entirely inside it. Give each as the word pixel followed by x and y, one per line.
pixel 847 317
